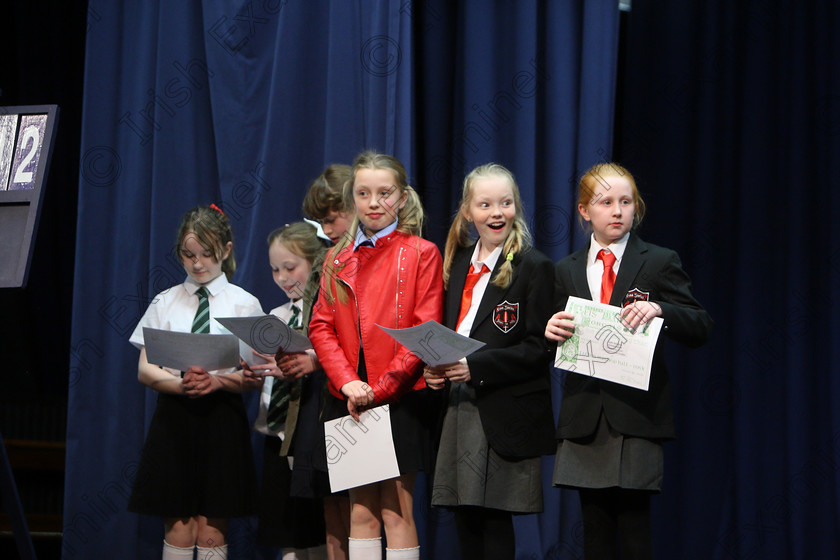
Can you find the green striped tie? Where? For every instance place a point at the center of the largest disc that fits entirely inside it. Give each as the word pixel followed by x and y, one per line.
pixel 201 323
pixel 278 406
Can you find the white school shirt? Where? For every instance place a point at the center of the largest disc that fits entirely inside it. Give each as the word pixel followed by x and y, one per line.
pixel 174 309
pixel 284 313
pixel 478 291
pixel 595 266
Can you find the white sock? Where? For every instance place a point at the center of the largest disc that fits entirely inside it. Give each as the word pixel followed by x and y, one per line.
pixel 176 552
pixel 402 553
pixel 365 549
pixel 214 553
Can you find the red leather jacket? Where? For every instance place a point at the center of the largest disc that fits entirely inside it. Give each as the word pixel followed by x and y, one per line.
pixel 397 284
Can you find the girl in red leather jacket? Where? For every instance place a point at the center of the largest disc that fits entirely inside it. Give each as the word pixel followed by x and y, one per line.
pixel 384 274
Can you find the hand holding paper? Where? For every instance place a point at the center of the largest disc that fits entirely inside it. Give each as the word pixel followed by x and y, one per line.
pixel 603 347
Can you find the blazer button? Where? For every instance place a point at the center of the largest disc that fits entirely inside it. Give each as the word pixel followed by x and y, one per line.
pixel 481 383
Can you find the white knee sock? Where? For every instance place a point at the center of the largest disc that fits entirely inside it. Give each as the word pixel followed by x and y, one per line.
pixel 402 553
pixel 365 549
pixel 215 553
pixel 176 552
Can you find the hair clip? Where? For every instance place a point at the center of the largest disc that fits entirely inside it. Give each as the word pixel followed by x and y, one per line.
pixel 510 256
pixel 217 209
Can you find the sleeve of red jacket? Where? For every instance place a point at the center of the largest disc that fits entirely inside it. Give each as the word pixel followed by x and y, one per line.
pixel 405 368
pixel 324 339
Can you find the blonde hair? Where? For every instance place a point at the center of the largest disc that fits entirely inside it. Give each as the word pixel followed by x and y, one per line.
pixel 595 175
pixel 518 240
pixel 409 218
pixel 213 232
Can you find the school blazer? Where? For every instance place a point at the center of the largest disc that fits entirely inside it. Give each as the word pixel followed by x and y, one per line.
pixel 510 374
pixel 647 272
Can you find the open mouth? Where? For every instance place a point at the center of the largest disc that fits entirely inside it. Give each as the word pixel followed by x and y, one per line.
pixel 496 226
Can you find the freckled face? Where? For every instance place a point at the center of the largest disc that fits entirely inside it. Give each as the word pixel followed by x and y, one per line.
pixel 611 209
pixel 199 261
pixel 290 271
pixel 378 199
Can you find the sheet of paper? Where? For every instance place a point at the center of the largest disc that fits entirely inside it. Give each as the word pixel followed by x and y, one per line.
pixel 266 333
pixel 360 453
pixel 433 343
pixel 602 347
pixel 180 350
pixel 247 354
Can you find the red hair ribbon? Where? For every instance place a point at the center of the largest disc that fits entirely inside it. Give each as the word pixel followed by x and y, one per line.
pixel 217 209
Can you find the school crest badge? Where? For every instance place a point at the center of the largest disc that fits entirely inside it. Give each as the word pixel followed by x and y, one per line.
pixel 633 296
pixel 505 316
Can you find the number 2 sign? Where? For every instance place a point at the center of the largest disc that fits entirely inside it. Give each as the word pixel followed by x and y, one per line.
pixel 27 152
pixel 27 134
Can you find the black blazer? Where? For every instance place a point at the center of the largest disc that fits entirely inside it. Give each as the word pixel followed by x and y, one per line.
pixel 647 272
pixel 510 374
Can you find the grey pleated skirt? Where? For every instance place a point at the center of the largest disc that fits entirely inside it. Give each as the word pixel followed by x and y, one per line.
pixel 609 459
pixel 469 473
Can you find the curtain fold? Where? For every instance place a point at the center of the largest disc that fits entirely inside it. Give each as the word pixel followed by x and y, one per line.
pixel 242 104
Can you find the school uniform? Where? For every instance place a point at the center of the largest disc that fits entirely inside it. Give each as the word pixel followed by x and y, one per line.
pixel 610 435
pixel 197 458
pixel 500 422
pixel 285 520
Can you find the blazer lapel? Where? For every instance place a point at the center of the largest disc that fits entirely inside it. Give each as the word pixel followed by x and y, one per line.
pixel 578 273
pixel 631 263
pixel 457 278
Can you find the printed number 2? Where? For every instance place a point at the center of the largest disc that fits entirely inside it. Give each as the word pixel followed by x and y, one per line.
pixel 21 176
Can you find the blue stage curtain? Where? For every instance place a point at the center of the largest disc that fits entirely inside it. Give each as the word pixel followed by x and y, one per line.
pixel 730 126
pixel 243 104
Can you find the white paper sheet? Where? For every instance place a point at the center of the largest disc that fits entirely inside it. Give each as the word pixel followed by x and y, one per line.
pixel 360 453
pixel 433 343
pixel 602 347
pixel 266 334
pixel 180 350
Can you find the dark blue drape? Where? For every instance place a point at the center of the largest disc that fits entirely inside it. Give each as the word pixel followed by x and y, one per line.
pixel 243 104
pixel 731 128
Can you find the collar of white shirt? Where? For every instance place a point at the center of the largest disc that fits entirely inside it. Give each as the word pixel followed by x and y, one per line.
pixel 616 248
pixel 215 286
pixel 490 261
pixel 361 237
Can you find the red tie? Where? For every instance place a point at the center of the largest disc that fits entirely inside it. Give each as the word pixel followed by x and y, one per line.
pixel 608 279
pixel 466 296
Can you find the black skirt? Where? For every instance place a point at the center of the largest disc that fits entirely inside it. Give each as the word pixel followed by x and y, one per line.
pixel 309 473
pixel 197 460
pixel 286 521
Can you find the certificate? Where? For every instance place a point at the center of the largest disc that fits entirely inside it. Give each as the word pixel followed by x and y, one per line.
pixel 180 350
pixel 265 334
pixel 362 452
pixel 433 343
pixel 604 348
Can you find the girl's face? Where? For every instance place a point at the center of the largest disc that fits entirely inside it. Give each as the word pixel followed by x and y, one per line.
pixel 336 224
pixel 199 262
pixel 378 199
pixel 610 210
pixel 290 271
pixel 492 209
